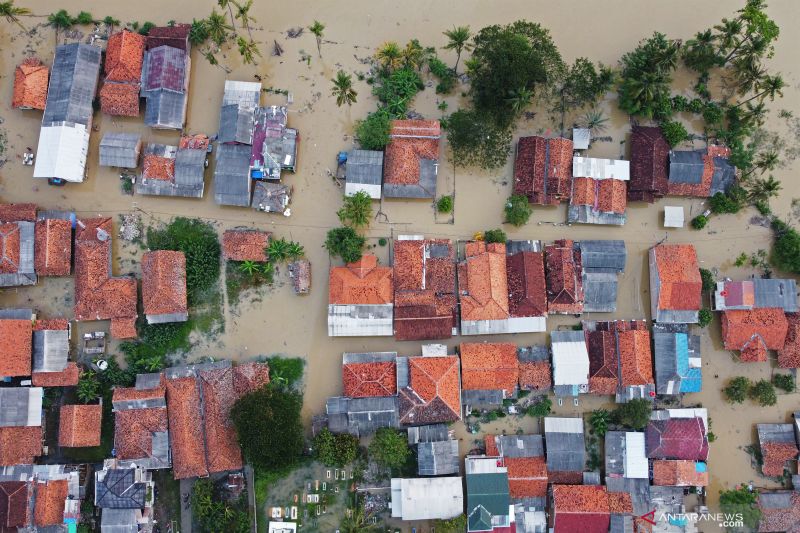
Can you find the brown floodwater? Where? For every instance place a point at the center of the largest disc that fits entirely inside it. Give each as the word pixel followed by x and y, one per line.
pixel 278 321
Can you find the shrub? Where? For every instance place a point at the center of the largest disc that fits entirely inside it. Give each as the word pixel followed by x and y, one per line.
pixel 785 382
pixel 475 139
pixel 382 241
pixel 83 18
pixel 540 408
pixel 518 210
pixel 695 105
pixel 494 235
pixel 345 243
pixel 674 132
pixel 447 78
pixel 764 393
pixel 763 208
pixel 286 371
pixel 335 450
pixel 741 260
pixel 88 387
pixel 699 222
pixel 599 421
pixel 786 247
pixel 635 414
pixel 712 114
pixel 396 91
pixel 146 27
pixel 736 389
pixel 741 501
pixel 389 448
pixel 680 103
pixel 445 204
pixel 356 210
pixel 704 318
pixel 732 202
pixel 373 132
pixel 708 279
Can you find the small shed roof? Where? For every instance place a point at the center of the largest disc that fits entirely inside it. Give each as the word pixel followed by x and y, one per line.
pixel 600 169
pixel 581 137
pixel 271 197
pixel 121 150
pixel 673 216
pixel 570 358
pixel 364 172
pixel 438 458
pixel 30 84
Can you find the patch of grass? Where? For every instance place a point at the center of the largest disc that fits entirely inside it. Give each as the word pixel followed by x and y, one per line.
pixel 288 370
pixel 168 503
pixel 238 281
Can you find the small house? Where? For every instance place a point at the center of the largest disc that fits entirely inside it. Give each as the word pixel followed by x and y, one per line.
pixel 17 237
pixel 489 374
pixel 535 371
pixel 649 164
pixel 361 416
pixel 232 181
pixel 411 159
pixel 581 138
pixel 364 173
pixel 598 191
pixel 601 262
pixel 756 294
pixel 778 446
pixel 245 245
pixel 678 366
pixel 271 197
pixel 239 102
pixel 673 216
pixel 300 272
pixel 586 508
pixel 52 243
pixel 51 365
pixel 674 473
pixel 79 425
pixel 700 173
pixel 119 94
pixel 30 84
pixel 523 457
pixel 164 287
pixel 124 495
pixel 427 498
pixel 678 434
pixel 566 449
pixel 141 433
pixel 40 498
pixel 120 150
pixel 780 510
pixel 274 146
pixel 429 387
pixel 20 425
pixel 543 169
pixel 16 333
pixel 175 170
pixel 753 332
pixel 625 455
pixel 483 289
pixel 563 268
pixel 621 362
pixel 165 77
pixel 675 284
pixel 488 499
pixel 570 363
pixel 158 163
pixel 527 288
pixel 360 299
pixel 438 458
pixel 366 375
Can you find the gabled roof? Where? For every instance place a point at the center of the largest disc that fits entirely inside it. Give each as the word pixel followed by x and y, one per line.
pixel 680 473
pixel 232 175
pixel 564 283
pixel 677 359
pixel 245 245
pixel 536 374
pixel 780 511
pixel 17 212
pixel 73 83
pixel 602 348
pixel 14 505
pixel 649 162
pixel 117 488
pixel 754 331
pixel 124 55
pixel 120 149
pixel 566 447
pixel 678 277
pixel 487 493
pixel 141 425
pixel 30 84
pixel 527 291
pixel 164 284
pixel 789 355
pixel 362 282
pixel 52 251
pixel 120 99
pixel 489 366
pixel 17 254
pixel 482 282
pixel 411 158
pixel 677 438
pixel 20 445
pixel 80 425
pixel 584 508
pixel 186 428
pixel 430 390
pixel 176 36
pixel 364 172
pixel 16 346
pixel 369 374
pixel 636 360
pixel 164 68
pixel 543 169
pixel 777 444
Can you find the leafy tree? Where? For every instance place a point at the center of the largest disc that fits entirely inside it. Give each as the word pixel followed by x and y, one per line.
pixel 635 414
pixel 228 4
pixel 786 247
pixel 359 521
pixel 295 250
pixel 785 382
pixel 674 132
pixel 146 27
pixel 764 392
pixel 708 280
pixel 453 525
pixel 396 91
pixel 389 56
pixel 373 132
pixel 700 53
pixel 414 55
pixel 599 420
pixel 736 390
pixel 518 210
pixel 583 85
pixel 356 210
pixel 345 243
pixel 741 260
pixel 213 514
pixel 389 448
pixel 12 13
pixel 286 371
pixel 111 22
pixel 732 202
pixel 541 408
pixel 494 235
pixel 445 204
pixel 244 16
pixel 198 33
pixel 335 450
pixel 699 222
pixel 741 501
pixel 704 318
pixel 60 20
pixel 88 386
pixel 519 99
pixel 83 18
pixel 446 75
pixel 475 139
pixel 318 29
pixel 269 427
pixel 646 75
pixel 458 40
pixel 343 89
pixel 218 27
pixel 248 50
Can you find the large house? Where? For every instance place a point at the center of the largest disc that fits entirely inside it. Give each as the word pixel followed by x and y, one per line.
pixel 754 331
pixel 119 94
pixel 678 367
pixel 141 434
pixel 489 506
pixel 20 425
pixel 649 164
pixel 429 387
pixel 165 76
pixel 543 169
pixel 360 299
pixel 675 284
pixel 566 449
pixel 586 508
pixel 439 498
pixel 678 434
pixel 489 373
pixel 700 173
pixel 598 191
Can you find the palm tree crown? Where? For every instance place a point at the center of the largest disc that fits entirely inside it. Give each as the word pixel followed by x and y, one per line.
pixel 343 89
pixel 389 55
pixel 458 40
pixel 12 13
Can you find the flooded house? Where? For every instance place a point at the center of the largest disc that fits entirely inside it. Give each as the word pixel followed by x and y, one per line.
pixel 587 508
pixel 543 169
pixel 527 287
pixel 627 468
pixel 523 457
pixel 439 498
pixel 17 237
pixel 21 431
pixel 119 94
pixel 120 150
pixel 141 432
pixel 245 245
pixel 563 275
pixel 165 76
pixel 360 299
pixel 411 159
pixel 364 173
pixel 620 360
pixel 678 434
pixel 598 193
pixel 16 333
pixel 675 284
pixel 300 272
pixel 570 363
pixel 702 174
pixel 649 164
pixel 274 143
pixel 489 374
pixel 676 473
pixel 488 501
pixel 678 365
pixel 753 332
pixel 125 496
pixel 175 170
pixel 778 447
pixel 601 263
pixel 40 497
pixel 535 370
pixel 51 347
pixel 756 293
pixel 437 451
pixel 272 197
pixel 429 387
pixel 566 449
pixel 780 510
pixel 30 84
pixel 789 355
pixel 79 425
pixel 164 287
pixel 232 182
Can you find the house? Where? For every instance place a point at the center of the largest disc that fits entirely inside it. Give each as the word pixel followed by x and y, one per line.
pixel 165 77
pixel 598 191
pixel 16 333
pixel 675 284
pixel 527 288
pixel 438 498
pixel 300 272
pixel 360 299
pixel 245 245
pixel 366 375
pixel 678 434
pixel 67 120
pixel 17 238
pixel 425 305
pixel 158 164
pixel 756 294
pixel 625 455
pixel 789 355
pixel 40 498
pixel 52 243
pixel 125 496
pixel 649 164
pixel 141 433
pixel 523 457
pixel 543 169
pixel 438 458
pixel 535 371
pixel 563 275
pixel 700 173
pixel 620 360
pixel 566 449
pixel 175 170
pixel 488 501
pixel 119 94
pixel 120 150
pixel 51 365
pixel 164 286
pixel 98 294
pixel 780 511
pixel 239 102
pixel 79 425
pixel 680 473
pixel 489 373
pixel 678 367
pixel 176 36
pixel 272 197
pixel 30 84
pixel 570 363
pixel 673 216
pixel 361 416
pixel 429 387
pixel 231 175
pixel 777 444
pixel 364 173
pixel 586 508
pixel 274 146
pixel 20 425
pixel 601 262
pixel 411 159
pixel 754 331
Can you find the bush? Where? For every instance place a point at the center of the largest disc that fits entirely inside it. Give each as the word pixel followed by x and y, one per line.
pixel 635 414
pixel 453 525
pixel 599 421
pixel 764 393
pixel 356 210
pixel 786 247
pixel 382 241
pixel 736 390
pixel 763 208
pixel 396 91
pixel 373 132
pixel 345 243
pixel 741 501
pixel 704 318
pixel 88 387
pixel 785 382
pixel 699 222
pixel 494 235
pixel 732 202
pixel 518 210
pixel 447 78
pixel 146 27
pixel 286 371
pixel 213 513
pixel 708 280
pixel 335 450
pixel 83 18
pixel 445 204
pixel 674 132
pixel 540 408
pixel 389 448
pixel 476 140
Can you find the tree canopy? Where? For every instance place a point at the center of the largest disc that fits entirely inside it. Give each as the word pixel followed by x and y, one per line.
pixel 346 243
pixel 646 75
pixel 335 450
pixel 389 448
pixel 635 414
pixel 475 139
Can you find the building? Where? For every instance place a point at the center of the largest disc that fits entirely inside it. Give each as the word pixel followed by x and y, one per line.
pixel 777 445
pixel 164 287
pixel 98 294
pixel 625 455
pixel 570 363
pixel 780 510
pixel 543 169
pixel 680 473
pixel 700 173
pixel 489 373
pixel 649 164
pixel 51 364
pixel 245 245
pixel 16 333
pixel 20 425
pixel 581 138
pixel 620 360
pixel 239 102
pixel 439 498
pixel 17 238
pixel 165 76
pixel 535 371
pixel 361 416
pixel 79 425
pixel 300 272
pixel 30 84
pixel 673 216
pixel 523 457
pixel 678 366
pixel 564 279
pixel 678 434
pixel 754 331
pixel 272 197
pixel 52 244
pixel 756 294
pixel 274 146
pixel 789 355
pixel 175 170
pixel 360 299
pixel 67 120
pixel 438 457
pixel 125 496
pixel 675 284
pixel 40 497
pixel 598 191
pixel 566 449
pixel 527 288
pixel 366 375
pixel 141 433
pixel 488 501
pixel 120 150
pixel 231 175
pixel 425 304
pixel 601 263
pixel 411 159
pixel 364 173
pixel 119 94
pixel 586 508
pixel 429 387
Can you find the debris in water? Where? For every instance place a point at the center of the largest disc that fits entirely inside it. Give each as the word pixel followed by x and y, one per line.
pixel 131 228
pixel 277 50
pixel 293 33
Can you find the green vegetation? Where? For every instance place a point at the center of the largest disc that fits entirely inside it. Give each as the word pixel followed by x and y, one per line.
pixel 356 210
pixel 476 139
pixel 318 29
pixel 646 75
pixel 213 513
pixel 88 387
pixel 704 318
pixel 286 371
pixel 198 34
pixel 699 222
pixel 786 247
pixel 83 18
pixel 634 415
pixel 763 392
pixel 583 85
pixel 674 132
pixel 60 20
pixel 346 243
pixel 446 75
pixel 445 204
pixel 454 525
pixel 11 13
pixel 518 210
pixel 343 89
pixel 335 450
pixel 709 284
pixel 741 501
pixel 458 40
pixel 737 389
pixel 733 202
pixel 495 235
pixel 279 250
pixel 389 448
pixel 373 132
pixel 598 421
pixel 541 408
pixel 146 27
pixel 785 382
pixel 243 275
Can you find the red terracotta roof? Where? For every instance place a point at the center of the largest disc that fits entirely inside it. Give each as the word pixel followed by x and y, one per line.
pixel 482 282
pixel 245 245
pixel 132 393
pixel 649 164
pixel 156 167
pixel 564 283
pixel 16 340
pixel 30 84
pixel 164 282
pixel 754 331
pixel 602 348
pixel 489 366
pixel 176 36
pixel 66 378
pixel 20 445
pixel 222 448
pixel 535 375
pixel 14 505
pixel 248 377
pixel 51 495
pixel 636 361
pixel 679 277
pixel 80 426
pixel 780 519
pixel 53 247
pixel 543 169
pixel 362 282
pixel 433 394
pixel 620 503
pixel 120 99
pixel 527 477
pixel 194 142
pixel 775 455
pixel 18 212
pixel 186 428
pixel 10 248
pixel 583 508
pixel 363 380
pixel 583 192
pixel 611 196
pixel 789 355
pixel 678 474
pixel 527 291
pixel 677 438
pixel 411 141
pixel 124 55
pixel 134 428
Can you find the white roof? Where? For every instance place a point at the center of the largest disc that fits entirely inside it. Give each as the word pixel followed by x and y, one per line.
pixel 570 363
pixel 581 138
pixel 480 464
pixel 282 527
pixel 673 216
pixel 62 152
pixel 434 350
pixel 600 169
pixel 636 465
pixel 427 498
pixel 696 412
pixel 563 424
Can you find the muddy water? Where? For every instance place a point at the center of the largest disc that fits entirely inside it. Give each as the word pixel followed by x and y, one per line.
pixel 283 322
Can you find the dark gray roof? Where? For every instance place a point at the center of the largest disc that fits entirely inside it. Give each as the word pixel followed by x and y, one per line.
pixel 615 452
pixel 235 124
pixel 17 314
pixel 603 256
pixel 429 433
pixel 566 452
pixel 426 188
pixel 621 524
pixel 724 176
pixel 270 197
pixel 513 247
pixel 232 175
pixel 686 166
pixel 485 398
pixel 361 416
pixel 599 292
pixel 120 150
pixel 438 458
pixel 165 109
pixel 117 489
pixel 190 170
pixel 148 381
pixel 591 478
pixel 534 354
pixel 777 433
pixel 638 488
pixel 520 445
pixel 777 499
pixel 15 406
pixel 73 84
pixel 586 214
pixel 365 166
pixel 776 293
pixel 50 350
pixel 25 274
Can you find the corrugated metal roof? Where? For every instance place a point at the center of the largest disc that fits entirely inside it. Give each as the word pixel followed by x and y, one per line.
pixel 62 152
pixel 686 166
pixel 581 138
pixel 165 109
pixel 426 188
pixel 587 214
pixel 438 458
pixel 21 406
pixel 599 292
pixel 427 498
pixel 360 320
pixel 50 350
pixel 364 171
pixel 776 293
pixel 25 274
pixel 73 85
pixel 429 433
pixel 520 445
pixel 120 150
pixel 724 176
pixel 603 255
pixel 636 465
pixel 570 358
pixel 232 175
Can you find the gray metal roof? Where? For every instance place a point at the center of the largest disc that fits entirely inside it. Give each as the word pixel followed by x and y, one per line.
pixel 189 180
pixel 586 214
pixel 360 320
pixel 533 354
pixel 21 406
pixel 776 293
pixel 438 458
pixel 778 499
pixel 638 488
pixel 365 167
pixel 120 150
pixel 516 246
pixel 361 416
pixel 426 188
pixel 724 176
pixel 599 292
pixel 621 524
pixel 232 175
pixel 429 433
pixel 270 197
pixel 520 445
pixel 148 381
pixel 17 314
pixel 482 398
pixel 165 109
pixel 50 350
pixel 591 478
pixel 603 256
pixel 686 166
pixel 73 84
pixel 118 521
pixel 566 452
pixel 778 433
pixel 235 124
pixel 25 274
pixel 615 452
pixel 118 489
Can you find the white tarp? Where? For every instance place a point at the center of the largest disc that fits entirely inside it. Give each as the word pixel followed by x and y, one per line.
pixel 600 169
pixel 62 152
pixel 427 498
pixel 673 216
pixel 636 465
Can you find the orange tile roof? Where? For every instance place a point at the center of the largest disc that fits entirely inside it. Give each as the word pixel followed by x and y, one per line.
pixel 122 394
pixel 194 142
pixel 489 366
pixel 775 455
pixel 52 250
pixel 482 282
pixel 636 361
pixel 30 84
pixel 80 425
pixel 18 212
pixel 164 282
pixel 580 499
pixel 20 445
pixel 563 277
pixel 754 331
pixel 10 248
pixel 611 196
pixel 583 191
pixel 527 477
pixel 535 375
pixel 527 290
pixel 362 282
pixel 411 141
pixel 678 473
pixel 789 355
pixel 120 99
pixel 124 56
pixel 620 503
pixel 245 245
pixel 123 328
pixel 16 340
pixel 155 167
pixel 679 277
pixel 66 378
pixel 433 393
pixel 186 428
pixel 248 377
pixel 51 495
pixel 222 448
pixel 133 431
pixel 362 380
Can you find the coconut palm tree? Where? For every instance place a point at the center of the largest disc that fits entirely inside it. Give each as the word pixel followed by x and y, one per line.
pixel 317 28
pixel 111 22
pixel 244 16
pixel 767 161
pixel 228 4
pixel 296 250
pixel 389 55
pixel 746 73
pixel 519 99
pixel 249 267
pixel 768 87
pixel 413 54
pixel 458 40
pixel 198 33
pixel 594 121
pixel 358 522
pixel 60 20
pixel 11 13
pixel 763 189
pixel 343 89
pixel 217 27
pixel 248 50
